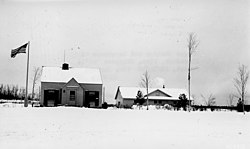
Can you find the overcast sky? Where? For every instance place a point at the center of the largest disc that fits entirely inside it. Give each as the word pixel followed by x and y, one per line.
pixel 126 38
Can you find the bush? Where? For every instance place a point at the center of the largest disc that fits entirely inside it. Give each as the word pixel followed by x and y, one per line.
pixel 127 107
pixel 240 105
pixel 167 107
pixel 105 105
pixel 183 102
pixel 139 98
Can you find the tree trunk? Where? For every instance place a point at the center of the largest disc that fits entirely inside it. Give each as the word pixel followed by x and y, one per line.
pixel 189 77
pixel 243 108
pixel 147 97
pixel 32 94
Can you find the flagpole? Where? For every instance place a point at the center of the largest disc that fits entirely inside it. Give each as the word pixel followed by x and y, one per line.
pixel 27 76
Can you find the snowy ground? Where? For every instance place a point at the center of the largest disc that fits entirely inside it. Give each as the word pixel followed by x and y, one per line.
pixel 69 127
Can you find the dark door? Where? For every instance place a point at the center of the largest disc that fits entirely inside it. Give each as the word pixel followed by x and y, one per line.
pixel 92 98
pixel 51 97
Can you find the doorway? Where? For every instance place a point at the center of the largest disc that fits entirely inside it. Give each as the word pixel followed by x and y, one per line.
pixel 72 97
pixel 92 98
pixel 51 98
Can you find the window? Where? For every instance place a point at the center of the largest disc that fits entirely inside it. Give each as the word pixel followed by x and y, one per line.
pixel 155 102
pixel 51 91
pixel 72 95
pixel 92 93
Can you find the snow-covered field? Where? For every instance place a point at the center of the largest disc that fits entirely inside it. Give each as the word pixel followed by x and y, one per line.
pixel 69 127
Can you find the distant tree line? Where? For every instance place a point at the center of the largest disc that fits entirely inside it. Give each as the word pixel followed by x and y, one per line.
pixel 11 92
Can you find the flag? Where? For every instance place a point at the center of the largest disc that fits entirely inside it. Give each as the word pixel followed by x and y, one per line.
pixel 21 49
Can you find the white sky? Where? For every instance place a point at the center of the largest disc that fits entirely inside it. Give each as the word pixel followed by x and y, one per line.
pixel 125 38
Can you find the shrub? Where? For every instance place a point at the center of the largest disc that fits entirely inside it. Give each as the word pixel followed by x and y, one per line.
pixel 105 105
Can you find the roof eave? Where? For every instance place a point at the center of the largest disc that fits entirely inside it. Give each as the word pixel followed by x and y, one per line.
pixel 66 82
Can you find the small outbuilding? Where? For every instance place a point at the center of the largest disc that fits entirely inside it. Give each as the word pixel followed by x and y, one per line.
pixel 125 96
pixel 71 86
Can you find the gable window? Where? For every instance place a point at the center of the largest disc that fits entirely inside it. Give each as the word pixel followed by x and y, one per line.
pixel 72 95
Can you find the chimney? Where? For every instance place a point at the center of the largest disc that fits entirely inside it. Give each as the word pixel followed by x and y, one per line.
pixel 163 86
pixel 65 66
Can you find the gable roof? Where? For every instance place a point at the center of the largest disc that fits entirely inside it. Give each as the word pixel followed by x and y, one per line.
pixel 174 92
pixel 158 90
pixel 72 81
pixel 131 92
pixel 81 75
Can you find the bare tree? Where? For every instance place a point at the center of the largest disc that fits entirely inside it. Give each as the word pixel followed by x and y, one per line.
pixel 8 89
pixel 210 101
pixel 1 91
pixel 39 92
pixel 21 92
pixel 240 83
pixel 145 82
pixel 230 100
pixel 195 102
pixel 192 45
pixel 35 78
pixel 15 91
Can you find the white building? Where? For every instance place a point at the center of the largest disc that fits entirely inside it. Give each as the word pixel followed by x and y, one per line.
pixel 125 96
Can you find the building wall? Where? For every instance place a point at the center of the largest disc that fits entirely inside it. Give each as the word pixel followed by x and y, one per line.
pixel 161 102
pixel 94 87
pixel 49 85
pixel 79 97
pixel 80 94
pixel 119 99
pixel 66 94
pixel 128 102
pixel 121 102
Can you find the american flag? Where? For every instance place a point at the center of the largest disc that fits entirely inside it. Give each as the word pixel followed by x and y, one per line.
pixel 21 49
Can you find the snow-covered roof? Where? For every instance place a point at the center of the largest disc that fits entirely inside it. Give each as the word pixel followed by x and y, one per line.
pixel 174 92
pixel 131 92
pixel 162 98
pixel 81 75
